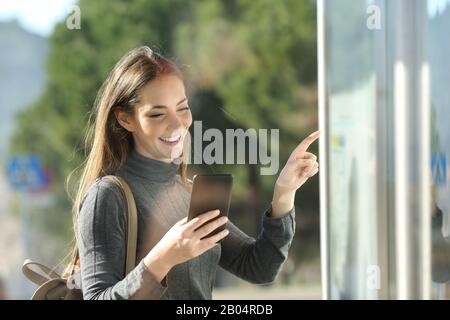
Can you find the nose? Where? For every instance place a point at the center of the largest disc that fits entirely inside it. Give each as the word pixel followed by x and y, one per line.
pixel 174 121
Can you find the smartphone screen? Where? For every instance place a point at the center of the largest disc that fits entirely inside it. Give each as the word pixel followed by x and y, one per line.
pixel 211 192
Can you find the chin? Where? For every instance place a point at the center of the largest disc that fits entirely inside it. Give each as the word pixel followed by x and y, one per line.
pixel 172 152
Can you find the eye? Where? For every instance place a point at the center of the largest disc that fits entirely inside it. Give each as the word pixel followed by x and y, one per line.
pixel 185 108
pixel 156 115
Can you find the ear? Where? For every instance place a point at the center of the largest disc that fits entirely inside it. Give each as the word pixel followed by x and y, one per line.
pixel 125 120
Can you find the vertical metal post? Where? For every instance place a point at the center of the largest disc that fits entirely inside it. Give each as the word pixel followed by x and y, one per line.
pixel 411 140
pixel 382 147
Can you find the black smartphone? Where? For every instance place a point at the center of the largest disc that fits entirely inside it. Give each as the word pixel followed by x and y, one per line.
pixel 211 192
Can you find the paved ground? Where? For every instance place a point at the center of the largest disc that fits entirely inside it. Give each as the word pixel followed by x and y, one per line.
pixel 308 292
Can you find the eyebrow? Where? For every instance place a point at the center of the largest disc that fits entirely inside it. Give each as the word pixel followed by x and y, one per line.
pixel 162 107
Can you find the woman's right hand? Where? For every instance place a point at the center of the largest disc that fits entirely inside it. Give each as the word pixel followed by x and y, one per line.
pixel 184 241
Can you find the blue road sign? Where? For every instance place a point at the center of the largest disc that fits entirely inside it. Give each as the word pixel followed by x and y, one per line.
pixel 26 174
pixel 439 168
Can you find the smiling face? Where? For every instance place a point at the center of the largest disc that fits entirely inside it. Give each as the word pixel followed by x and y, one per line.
pixel 160 120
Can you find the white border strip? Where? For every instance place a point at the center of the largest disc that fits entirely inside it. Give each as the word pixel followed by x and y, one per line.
pixel 401 177
pixel 323 142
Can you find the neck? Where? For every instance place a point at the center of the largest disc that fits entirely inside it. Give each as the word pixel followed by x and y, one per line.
pixel 151 169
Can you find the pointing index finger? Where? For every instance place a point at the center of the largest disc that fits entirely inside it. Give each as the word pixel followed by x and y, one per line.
pixel 304 145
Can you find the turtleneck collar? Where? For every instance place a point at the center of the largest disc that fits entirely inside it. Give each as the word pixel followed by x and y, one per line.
pixel 148 168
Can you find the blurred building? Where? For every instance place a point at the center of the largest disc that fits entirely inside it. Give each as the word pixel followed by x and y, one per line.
pixel 384 78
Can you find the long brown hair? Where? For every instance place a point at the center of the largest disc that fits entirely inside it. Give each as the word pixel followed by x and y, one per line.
pixel 107 141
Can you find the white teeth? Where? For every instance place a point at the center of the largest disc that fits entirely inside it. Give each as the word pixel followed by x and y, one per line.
pixel 171 139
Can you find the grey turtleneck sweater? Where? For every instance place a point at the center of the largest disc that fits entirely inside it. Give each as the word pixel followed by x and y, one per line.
pixel 161 201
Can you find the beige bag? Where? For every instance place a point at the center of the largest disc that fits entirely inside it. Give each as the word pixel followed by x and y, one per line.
pixel 54 287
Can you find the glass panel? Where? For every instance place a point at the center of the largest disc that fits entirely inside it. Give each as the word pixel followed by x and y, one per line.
pixel 352 82
pixel 438 53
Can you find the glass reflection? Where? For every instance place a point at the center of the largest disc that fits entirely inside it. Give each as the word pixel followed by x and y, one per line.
pixel 352 104
pixel 438 53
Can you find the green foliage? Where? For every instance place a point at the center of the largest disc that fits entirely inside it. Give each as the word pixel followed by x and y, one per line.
pixel 256 60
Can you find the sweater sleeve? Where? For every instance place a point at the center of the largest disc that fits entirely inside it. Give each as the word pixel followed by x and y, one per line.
pixel 259 260
pixel 102 249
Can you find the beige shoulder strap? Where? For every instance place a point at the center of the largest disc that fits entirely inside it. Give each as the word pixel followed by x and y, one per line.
pixel 37 272
pixel 131 222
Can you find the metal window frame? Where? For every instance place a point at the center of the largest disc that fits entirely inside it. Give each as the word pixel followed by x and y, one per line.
pixel 411 256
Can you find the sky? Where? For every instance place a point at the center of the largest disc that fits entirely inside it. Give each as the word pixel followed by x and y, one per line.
pixel 37 16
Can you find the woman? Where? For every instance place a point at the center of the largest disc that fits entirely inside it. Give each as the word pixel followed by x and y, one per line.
pixel 142 118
